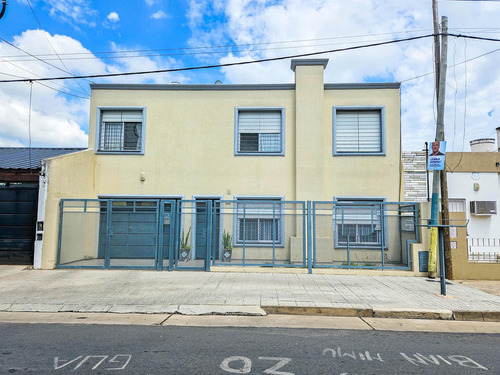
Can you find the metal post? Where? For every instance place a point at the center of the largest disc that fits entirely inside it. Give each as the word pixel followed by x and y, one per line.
pixel 107 249
pixel 309 238
pixel 427 172
pixel 441 262
pixel 273 233
pixel 208 252
pixel 244 229
pixel 382 233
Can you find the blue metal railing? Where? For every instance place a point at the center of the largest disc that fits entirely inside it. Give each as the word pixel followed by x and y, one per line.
pixel 145 233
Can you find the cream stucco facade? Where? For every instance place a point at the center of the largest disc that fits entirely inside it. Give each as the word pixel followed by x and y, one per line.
pixel 189 148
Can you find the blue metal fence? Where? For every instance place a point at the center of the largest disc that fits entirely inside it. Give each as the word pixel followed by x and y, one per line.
pixel 169 234
pixel 363 234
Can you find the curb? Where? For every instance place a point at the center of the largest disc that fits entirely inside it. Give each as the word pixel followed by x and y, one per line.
pixel 322 311
pixel 247 310
pixel 243 310
pixel 478 316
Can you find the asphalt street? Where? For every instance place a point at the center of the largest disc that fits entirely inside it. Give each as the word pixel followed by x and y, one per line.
pixel 118 349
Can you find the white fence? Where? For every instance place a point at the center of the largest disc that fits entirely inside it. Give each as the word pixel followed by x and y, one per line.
pixel 484 250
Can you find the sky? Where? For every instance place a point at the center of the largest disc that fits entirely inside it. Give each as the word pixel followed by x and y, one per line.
pixel 56 38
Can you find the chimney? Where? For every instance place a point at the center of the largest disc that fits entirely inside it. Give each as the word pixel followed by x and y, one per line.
pixel 483 145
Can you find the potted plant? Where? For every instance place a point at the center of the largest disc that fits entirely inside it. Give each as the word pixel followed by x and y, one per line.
pixel 185 247
pixel 227 244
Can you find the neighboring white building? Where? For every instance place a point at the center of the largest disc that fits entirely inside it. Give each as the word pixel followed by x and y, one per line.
pixel 474 197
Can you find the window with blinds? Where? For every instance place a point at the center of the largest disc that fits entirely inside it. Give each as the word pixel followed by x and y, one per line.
pixel 121 131
pixel 258 222
pixel 357 223
pixel 259 131
pixel 358 131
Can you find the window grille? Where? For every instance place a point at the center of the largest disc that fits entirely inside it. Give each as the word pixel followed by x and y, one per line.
pixel 258 222
pixel 359 222
pixel 121 131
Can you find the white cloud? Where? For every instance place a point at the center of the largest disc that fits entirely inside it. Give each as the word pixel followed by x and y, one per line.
pixel 73 12
pixel 113 17
pixel 150 2
pixel 327 25
pixel 58 120
pixel 159 15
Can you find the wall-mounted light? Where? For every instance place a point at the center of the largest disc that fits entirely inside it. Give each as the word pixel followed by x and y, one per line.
pixel 143 176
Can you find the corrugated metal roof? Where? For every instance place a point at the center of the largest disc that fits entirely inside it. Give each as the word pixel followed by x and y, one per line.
pixel 24 158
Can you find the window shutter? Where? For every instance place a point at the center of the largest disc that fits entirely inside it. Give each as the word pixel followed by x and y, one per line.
pixel 259 122
pixel 259 210
pixel 122 116
pixel 369 215
pixel 358 131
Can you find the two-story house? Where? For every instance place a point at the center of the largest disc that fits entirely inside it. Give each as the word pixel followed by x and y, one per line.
pixel 228 167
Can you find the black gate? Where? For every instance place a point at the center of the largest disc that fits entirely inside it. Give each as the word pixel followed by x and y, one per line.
pixel 18 212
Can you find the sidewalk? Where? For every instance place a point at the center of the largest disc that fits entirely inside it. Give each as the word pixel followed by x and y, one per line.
pixel 232 293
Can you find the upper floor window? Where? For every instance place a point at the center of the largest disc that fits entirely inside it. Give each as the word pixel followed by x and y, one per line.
pixel 259 131
pixel 121 131
pixel 358 131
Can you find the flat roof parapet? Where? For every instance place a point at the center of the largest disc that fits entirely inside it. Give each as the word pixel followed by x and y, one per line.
pixel 308 62
pixel 238 87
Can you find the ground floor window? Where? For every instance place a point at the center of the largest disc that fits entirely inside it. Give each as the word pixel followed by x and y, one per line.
pixel 259 222
pixel 358 222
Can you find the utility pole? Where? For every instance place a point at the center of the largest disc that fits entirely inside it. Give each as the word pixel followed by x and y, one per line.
pixel 439 177
pixel 437 47
pixel 445 212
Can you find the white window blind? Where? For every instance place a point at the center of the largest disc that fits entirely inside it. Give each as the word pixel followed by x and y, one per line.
pixel 259 122
pixel 121 116
pixel 358 131
pixel 259 131
pixel 369 215
pixel 259 209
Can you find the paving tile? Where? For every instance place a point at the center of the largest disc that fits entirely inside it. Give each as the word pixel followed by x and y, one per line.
pixel 154 292
pixel 35 307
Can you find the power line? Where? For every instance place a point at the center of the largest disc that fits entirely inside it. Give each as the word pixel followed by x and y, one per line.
pixel 53 49
pixel 204 50
pixel 460 63
pixel 195 50
pixel 227 64
pixel 25 79
pixel 248 62
pixel 20 49
pixel 63 92
pixel 228 46
pixel 186 54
